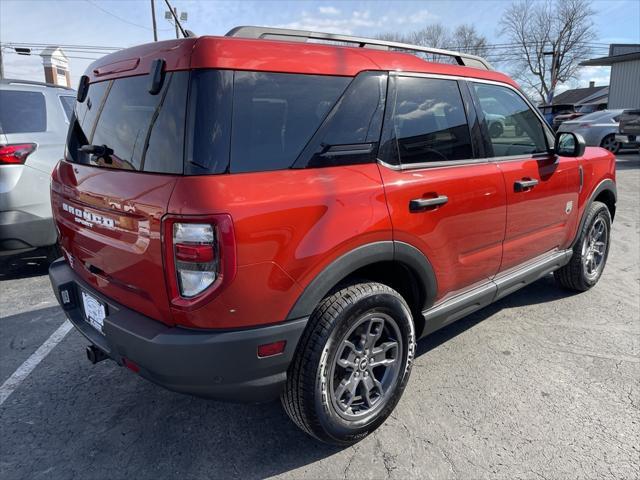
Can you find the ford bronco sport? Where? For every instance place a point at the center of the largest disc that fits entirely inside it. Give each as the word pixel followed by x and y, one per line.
pixel 248 218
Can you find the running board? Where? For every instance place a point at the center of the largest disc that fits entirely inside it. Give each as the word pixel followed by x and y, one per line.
pixel 502 285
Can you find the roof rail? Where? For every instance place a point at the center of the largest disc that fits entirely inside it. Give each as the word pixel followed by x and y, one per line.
pixel 15 81
pixel 304 35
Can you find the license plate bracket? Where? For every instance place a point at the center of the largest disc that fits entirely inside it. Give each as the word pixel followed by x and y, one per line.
pixel 94 311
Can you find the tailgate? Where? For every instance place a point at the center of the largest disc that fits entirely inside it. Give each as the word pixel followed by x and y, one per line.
pixel 109 225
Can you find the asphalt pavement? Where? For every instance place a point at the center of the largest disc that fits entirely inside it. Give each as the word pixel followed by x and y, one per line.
pixel 543 384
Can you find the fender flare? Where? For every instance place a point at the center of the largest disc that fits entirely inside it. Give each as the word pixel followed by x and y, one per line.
pixel 362 256
pixel 604 185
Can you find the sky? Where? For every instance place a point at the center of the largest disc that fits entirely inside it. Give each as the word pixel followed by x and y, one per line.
pixel 123 23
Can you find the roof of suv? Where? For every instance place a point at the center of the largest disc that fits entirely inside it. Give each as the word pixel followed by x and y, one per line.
pixel 273 56
pixel 30 85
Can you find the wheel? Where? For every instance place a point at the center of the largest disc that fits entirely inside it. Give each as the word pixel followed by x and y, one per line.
pixel 590 251
pixel 496 129
pixel 609 142
pixel 351 364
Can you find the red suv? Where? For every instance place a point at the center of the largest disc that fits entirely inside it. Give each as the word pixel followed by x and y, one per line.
pixel 245 218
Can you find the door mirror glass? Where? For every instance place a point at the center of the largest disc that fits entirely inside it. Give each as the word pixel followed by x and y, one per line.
pixel 569 144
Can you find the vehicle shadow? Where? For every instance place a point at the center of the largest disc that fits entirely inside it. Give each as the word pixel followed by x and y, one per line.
pixel 25 265
pixel 104 418
pixel 628 161
pixel 542 291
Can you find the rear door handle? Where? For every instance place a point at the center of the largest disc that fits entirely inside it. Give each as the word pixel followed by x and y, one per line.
pixel 522 185
pixel 421 204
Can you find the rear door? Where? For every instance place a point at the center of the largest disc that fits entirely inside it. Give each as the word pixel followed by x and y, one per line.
pixel 541 188
pixel 109 208
pixel 442 199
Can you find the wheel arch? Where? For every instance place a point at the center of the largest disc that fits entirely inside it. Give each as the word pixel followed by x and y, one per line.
pixel 607 193
pixel 396 264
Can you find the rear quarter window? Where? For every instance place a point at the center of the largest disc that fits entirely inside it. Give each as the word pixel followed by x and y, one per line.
pixel 22 112
pixel 275 115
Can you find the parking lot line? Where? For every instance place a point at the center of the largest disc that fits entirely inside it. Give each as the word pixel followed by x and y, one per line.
pixel 23 371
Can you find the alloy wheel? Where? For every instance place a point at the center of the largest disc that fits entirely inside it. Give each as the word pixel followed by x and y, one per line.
pixel 366 366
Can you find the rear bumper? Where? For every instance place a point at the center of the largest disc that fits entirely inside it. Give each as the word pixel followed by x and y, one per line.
pixel 21 231
pixel 628 140
pixel 216 364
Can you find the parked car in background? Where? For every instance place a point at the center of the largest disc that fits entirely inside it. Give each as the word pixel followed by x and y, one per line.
pixel 629 129
pixel 580 110
pixel 599 129
pixel 549 112
pixel 34 119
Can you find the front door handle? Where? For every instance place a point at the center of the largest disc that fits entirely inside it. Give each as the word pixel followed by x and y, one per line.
pixel 422 204
pixel 522 185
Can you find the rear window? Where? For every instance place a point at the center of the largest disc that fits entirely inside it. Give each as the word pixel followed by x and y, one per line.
pixel 142 131
pixel 22 112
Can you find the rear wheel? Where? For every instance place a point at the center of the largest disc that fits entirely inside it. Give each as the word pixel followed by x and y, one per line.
pixel 352 364
pixel 590 251
pixel 609 142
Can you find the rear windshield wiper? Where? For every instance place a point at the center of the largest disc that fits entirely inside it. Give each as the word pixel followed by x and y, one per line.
pixel 99 151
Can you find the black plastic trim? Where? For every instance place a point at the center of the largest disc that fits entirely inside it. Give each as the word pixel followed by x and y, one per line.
pixel 220 364
pixel 363 256
pixel 606 184
pixel 483 295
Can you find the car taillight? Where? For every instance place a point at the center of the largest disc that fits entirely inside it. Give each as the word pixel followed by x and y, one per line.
pixel 199 257
pixel 194 247
pixel 16 154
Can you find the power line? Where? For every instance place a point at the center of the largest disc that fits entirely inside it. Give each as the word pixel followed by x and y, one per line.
pixel 123 19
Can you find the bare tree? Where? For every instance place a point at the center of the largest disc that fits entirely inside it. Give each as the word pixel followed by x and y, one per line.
pixel 466 39
pixel 550 40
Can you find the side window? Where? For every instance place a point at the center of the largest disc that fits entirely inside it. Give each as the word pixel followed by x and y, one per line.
pixel 514 128
pixel 429 122
pixel 351 131
pixel 67 103
pixel 275 115
pixel 22 112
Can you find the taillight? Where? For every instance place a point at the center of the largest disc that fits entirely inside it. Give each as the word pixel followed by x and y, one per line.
pixel 199 257
pixel 194 248
pixel 16 154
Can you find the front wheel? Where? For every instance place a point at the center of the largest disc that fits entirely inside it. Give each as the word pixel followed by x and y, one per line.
pixel 590 251
pixel 352 364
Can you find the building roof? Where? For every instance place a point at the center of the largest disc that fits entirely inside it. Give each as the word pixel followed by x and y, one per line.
pixel 618 52
pixel 579 95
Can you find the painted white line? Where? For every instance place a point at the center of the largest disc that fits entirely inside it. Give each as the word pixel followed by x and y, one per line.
pixel 23 371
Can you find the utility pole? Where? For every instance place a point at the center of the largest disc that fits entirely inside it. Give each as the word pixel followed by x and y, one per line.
pixel 153 18
pixel 1 65
pixel 175 15
pixel 553 80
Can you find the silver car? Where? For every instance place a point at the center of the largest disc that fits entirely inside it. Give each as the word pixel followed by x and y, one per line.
pixel 34 119
pixel 598 128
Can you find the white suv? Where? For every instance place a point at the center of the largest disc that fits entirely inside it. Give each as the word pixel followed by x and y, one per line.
pixel 34 119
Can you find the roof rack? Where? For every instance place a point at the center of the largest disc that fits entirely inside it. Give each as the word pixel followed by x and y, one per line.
pixel 304 35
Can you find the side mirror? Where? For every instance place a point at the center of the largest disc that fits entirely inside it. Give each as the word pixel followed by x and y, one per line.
pixel 570 144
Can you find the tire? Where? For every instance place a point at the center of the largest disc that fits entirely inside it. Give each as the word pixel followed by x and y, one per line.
pixel 325 364
pixel 579 274
pixel 609 143
pixel 496 129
